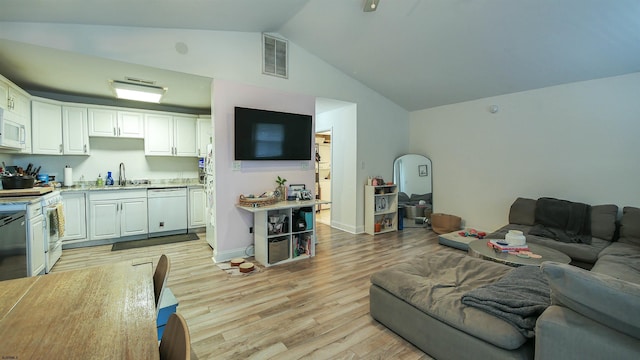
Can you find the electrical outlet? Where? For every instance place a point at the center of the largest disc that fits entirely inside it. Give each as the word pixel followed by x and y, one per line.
pixel 236 166
pixel 304 165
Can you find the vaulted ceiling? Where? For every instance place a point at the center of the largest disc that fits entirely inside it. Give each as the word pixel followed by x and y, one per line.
pixel 418 53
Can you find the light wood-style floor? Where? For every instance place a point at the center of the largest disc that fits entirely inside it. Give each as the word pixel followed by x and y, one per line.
pixel 315 308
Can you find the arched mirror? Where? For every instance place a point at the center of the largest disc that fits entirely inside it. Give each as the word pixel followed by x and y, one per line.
pixel 412 173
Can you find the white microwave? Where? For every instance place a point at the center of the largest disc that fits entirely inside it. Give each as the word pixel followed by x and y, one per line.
pixel 12 134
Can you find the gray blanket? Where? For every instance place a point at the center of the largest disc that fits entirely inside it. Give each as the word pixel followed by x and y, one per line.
pixel 562 220
pixel 518 298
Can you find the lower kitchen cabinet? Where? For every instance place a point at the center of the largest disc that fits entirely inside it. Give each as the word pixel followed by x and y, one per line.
pixel 36 240
pixel 75 215
pixel 114 214
pixel 197 207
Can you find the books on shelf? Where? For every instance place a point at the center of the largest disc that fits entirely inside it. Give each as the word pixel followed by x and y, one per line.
pixel 506 248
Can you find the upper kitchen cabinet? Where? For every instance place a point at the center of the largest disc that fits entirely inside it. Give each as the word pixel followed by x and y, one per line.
pixel 205 134
pixel 167 135
pixel 75 130
pixel 59 129
pixel 4 95
pixel 16 104
pixel 104 122
pixel 46 122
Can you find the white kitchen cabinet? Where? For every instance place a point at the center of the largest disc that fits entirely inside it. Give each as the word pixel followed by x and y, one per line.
pixel 35 237
pixel 17 108
pixel 114 214
pixel 58 129
pixel 167 135
pixel 75 215
pixel 18 102
pixel 46 129
pixel 197 207
pixel 4 95
pixel 75 131
pixel 204 133
pixel 108 122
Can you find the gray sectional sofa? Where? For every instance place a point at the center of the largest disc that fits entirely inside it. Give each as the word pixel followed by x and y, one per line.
pixel 589 315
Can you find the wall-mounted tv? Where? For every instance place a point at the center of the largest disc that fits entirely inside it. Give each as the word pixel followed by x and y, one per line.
pixel 272 135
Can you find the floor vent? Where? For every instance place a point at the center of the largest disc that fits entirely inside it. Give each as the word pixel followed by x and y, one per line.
pixel 274 56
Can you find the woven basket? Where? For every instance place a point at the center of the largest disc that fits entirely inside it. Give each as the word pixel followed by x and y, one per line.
pixel 444 223
pixel 257 202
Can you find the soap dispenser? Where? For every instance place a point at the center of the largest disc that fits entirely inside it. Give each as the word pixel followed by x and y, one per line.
pixel 109 180
pixel 99 181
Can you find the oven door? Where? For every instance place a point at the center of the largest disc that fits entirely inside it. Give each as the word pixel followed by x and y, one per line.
pixel 52 236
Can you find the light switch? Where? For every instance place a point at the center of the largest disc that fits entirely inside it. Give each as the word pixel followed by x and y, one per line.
pixel 236 165
pixel 304 165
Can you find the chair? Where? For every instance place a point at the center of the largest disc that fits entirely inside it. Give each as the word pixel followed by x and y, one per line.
pixel 176 341
pixel 160 278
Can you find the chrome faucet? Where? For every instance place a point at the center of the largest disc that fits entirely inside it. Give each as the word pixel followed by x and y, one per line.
pixel 122 179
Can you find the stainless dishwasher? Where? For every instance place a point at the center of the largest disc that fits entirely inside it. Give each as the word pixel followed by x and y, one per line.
pixel 167 209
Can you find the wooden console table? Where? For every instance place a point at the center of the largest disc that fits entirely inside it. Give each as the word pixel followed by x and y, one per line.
pixel 276 246
pixel 105 312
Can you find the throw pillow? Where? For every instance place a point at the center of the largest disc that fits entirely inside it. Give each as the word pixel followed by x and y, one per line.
pixel 610 301
pixel 418 197
pixel 523 212
pixel 603 221
pixel 630 226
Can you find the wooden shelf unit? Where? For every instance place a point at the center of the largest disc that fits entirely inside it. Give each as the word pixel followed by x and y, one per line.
pixel 380 206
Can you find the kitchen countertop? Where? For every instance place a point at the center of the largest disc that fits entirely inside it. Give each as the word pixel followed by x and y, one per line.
pixel 154 184
pixel 19 200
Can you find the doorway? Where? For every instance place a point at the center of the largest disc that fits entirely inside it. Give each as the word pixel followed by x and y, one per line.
pixel 323 175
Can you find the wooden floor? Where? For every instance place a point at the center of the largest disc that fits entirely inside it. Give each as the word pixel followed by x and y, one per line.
pixel 315 308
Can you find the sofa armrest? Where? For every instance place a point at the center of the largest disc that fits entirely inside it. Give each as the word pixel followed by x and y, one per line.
pixel 562 333
pixel 602 298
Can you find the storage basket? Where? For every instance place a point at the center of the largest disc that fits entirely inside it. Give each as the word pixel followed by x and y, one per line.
pixel 444 223
pixel 257 202
pixel 278 249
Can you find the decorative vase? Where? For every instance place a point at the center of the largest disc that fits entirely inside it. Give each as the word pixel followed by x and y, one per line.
pixel 282 192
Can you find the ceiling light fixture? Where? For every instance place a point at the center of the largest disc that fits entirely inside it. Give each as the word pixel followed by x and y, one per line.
pixel 370 5
pixel 137 92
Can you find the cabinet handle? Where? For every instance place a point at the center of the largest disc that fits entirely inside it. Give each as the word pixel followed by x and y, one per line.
pixel 114 132
pixel 84 148
pixel 118 131
pixel 60 148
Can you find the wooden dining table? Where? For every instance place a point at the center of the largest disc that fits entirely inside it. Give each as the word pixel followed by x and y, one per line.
pixel 104 312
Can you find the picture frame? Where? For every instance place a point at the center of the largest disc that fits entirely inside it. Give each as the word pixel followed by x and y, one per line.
pixel 423 170
pixel 294 190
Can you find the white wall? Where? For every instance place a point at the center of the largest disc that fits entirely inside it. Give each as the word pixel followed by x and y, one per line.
pixel 343 165
pixel 576 142
pixel 382 125
pixel 254 177
pixel 107 154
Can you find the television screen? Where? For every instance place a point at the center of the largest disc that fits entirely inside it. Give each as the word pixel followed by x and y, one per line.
pixel 272 135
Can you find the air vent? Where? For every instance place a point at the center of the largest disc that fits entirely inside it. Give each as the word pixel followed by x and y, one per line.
pixel 274 56
pixel 139 81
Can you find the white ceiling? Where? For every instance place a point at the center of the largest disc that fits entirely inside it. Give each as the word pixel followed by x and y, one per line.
pixel 418 53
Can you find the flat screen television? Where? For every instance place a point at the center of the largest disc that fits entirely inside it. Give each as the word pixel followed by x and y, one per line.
pixel 272 135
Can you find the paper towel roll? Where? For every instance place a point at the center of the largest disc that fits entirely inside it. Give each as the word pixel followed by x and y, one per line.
pixel 68 176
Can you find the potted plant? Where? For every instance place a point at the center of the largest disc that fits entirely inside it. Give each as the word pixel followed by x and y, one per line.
pixel 281 189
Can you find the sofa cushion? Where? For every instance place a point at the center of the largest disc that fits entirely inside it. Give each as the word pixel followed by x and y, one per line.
pixel 625 267
pixel 610 301
pixel 523 212
pixel 603 221
pixel 417 197
pixel 630 226
pixel 621 249
pixel 435 282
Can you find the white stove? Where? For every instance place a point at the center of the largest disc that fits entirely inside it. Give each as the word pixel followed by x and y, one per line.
pixel 53 217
